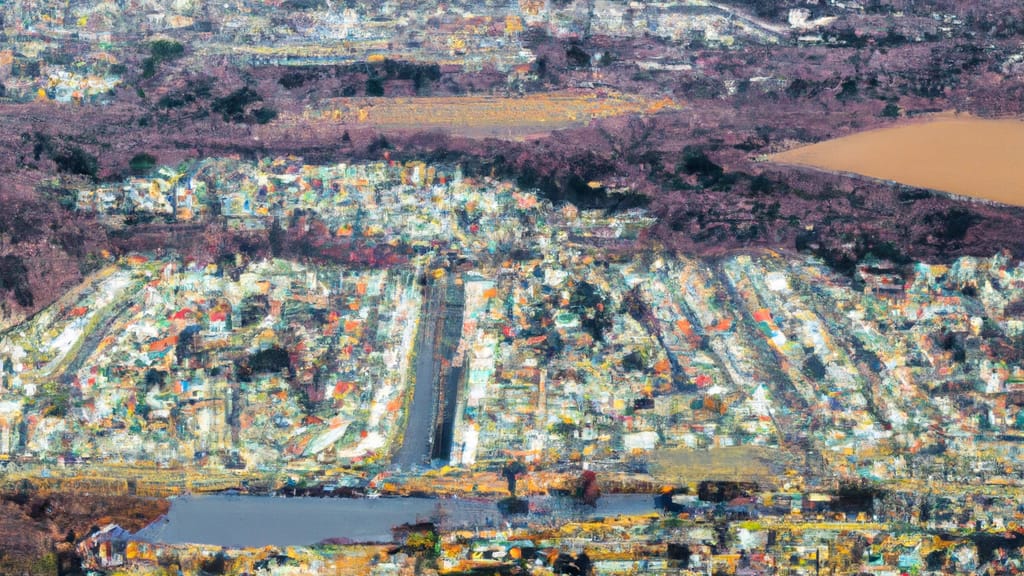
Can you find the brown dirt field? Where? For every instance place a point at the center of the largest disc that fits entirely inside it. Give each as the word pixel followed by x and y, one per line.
pixel 960 154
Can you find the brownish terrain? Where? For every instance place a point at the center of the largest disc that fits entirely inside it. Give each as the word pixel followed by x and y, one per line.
pixel 694 166
pixel 964 155
pixel 39 529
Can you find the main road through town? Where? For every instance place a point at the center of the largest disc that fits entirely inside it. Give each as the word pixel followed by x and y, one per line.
pixel 419 428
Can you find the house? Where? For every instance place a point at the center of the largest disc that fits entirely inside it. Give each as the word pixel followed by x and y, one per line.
pixel 219 321
pixel 105 548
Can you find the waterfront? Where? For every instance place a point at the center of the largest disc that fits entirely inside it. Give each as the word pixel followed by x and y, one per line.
pixel 960 154
pixel 254 521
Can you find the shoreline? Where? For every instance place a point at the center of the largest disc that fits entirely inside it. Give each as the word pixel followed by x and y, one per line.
pixel 895 183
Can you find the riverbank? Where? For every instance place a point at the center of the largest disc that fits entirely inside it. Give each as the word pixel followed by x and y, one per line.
pixel 152 482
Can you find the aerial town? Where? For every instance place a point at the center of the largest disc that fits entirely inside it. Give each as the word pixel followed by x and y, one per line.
pixel 553 349
pixel 585 287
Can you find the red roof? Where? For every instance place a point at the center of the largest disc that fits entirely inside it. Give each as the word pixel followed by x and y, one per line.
pixel 161 345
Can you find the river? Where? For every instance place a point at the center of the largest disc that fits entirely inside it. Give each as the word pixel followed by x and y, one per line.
pixel 253 521
pixel 960 154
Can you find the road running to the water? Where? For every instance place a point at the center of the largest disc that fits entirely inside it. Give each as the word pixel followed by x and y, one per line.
pixel 449 375
pixel 419 429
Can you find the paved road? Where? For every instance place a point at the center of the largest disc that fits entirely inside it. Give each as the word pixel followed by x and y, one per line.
pixel 114 314
pixel 419 429
pixel 450 376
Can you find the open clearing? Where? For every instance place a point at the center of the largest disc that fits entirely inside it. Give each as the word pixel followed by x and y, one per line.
pixel 960 154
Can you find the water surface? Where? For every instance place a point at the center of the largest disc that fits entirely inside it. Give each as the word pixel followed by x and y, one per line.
pixel 253 521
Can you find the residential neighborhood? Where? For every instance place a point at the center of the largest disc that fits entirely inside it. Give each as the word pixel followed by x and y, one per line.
pixel 545 346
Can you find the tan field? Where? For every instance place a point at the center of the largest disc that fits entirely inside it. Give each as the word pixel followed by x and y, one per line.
pixel 959 154
pixel 481 116
pixel 737 463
